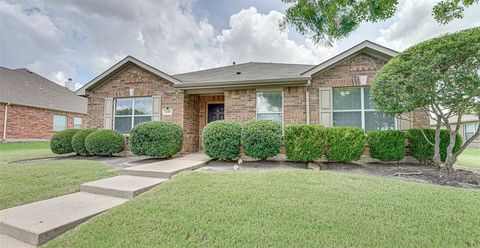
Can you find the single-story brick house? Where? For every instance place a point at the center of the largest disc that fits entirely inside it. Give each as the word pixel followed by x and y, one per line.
pixel 333 93
pixel 33 108
pixel 467 129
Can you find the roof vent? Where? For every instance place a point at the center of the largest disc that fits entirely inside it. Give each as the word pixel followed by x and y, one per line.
pixel 233 63
pixel 239 72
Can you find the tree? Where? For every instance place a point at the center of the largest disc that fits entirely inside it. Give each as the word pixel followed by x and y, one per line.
pixel 441 77
pixel 328 20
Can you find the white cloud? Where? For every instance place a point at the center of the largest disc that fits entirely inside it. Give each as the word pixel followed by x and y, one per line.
pixel 414 23
pixel 256 36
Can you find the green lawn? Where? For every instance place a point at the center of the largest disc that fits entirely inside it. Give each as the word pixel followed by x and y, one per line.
pixel 287 208
pixel 24 150
pixel 470 158
pixel 28 182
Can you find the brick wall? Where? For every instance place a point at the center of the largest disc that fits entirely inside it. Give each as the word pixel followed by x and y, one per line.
pixel 294 104
pixel 240 105
pixel 184 107
pixel 28 123
pixel 144 83
pixel 190 124
pixel 202 113
pixel 345 74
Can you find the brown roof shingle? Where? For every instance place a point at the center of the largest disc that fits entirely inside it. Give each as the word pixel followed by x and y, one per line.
pixel 23 87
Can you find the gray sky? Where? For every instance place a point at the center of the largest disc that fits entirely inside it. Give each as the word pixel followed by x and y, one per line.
pixel 69 38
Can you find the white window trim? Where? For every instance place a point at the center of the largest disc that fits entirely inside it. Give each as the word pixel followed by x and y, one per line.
pixel 64 127
pixel 475 126
pixel 362 109
pixel 77 118
pixel 283 104
pixel 131 116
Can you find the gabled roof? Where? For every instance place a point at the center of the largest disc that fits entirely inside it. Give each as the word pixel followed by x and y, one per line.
pixel 247 73
pixel 122 64
pixel 366 46
pixel 23 87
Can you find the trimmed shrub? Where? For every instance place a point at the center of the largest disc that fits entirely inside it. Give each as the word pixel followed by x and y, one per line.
pixel 386 145
pixel 104 142
pixel 345 144
pixel 261 138
pixel 304 143
pixel 422 150
pixel 160 139
pixel 78 141
pixel 61 142
pixel 221 139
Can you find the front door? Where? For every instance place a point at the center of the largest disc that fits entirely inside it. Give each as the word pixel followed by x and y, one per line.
pixel 215 112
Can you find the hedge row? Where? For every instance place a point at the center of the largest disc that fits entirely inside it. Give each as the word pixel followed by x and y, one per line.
pixel 159 139
pixel 258 138
pixel 262 139
pixel 87 142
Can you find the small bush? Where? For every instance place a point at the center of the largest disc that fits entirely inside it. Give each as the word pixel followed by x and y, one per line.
pixel 104 142
pixel 304 143
pixel 221 139
pixel 387 145
pixel 159 139
pixel 61 142
pixel 261 138
pixel 78 141
pixel 423 150
pixel 345 144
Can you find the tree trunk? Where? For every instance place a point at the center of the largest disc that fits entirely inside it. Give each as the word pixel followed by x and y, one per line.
pixel 437 158
pixel 451 158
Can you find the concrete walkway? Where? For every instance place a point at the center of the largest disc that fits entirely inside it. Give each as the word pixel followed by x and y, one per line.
pixel 36 223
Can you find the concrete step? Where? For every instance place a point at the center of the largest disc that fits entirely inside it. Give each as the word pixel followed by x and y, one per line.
pixel 9 242
pixel 121 186
pixel 168 168
pixel 38 222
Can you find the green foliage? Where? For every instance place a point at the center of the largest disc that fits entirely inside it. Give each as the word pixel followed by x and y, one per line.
pixel 104 142
pixel 422 150
pixel 386 145
pixel 304 143
pixel 448 10
pixel 261 138
pixel 159 139
pixel 61 142
pixel 345 144
pixel 78 141
pixel 328 20
pixel 221 139
pixel 439 72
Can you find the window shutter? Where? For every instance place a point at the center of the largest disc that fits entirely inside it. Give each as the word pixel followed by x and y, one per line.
pixel 108 113
pixel 157 108
pixel 325 107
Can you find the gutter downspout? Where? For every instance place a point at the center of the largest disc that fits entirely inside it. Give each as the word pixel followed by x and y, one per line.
pixel 307 99
pixel 5 122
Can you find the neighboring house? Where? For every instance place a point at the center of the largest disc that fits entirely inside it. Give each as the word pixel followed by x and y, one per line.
pixel 34 108
pixel 468 127
pixel 333 93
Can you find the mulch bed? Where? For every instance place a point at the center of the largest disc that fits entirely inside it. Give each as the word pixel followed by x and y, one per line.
pixel 411 172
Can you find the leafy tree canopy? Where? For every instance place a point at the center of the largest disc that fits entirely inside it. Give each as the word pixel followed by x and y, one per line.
pixel 440 76
pixel 328 20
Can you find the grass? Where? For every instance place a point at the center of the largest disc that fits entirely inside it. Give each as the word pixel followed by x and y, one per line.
pixel 470 158
pixel 25 183
pixel 287 208
pixel 28 182
pixel 24 150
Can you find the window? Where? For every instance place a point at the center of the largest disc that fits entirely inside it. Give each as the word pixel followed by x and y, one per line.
pixel 352 107
pixel 270 105
pixel 130 112
pixel 469 130
pixel 59 123
pixel 77 122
